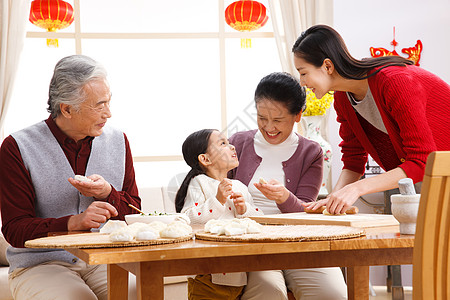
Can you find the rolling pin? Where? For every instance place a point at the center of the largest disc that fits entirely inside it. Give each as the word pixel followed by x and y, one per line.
pixel 351 211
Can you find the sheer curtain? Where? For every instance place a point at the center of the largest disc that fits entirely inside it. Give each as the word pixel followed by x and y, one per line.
pixel 13 19
pixel 290 18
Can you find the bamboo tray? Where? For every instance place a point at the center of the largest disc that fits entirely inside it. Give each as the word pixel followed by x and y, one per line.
pixel 94 240
pixel 289 233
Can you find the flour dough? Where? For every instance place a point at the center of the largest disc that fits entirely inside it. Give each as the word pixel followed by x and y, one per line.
pixel 82 178
pixel 325 212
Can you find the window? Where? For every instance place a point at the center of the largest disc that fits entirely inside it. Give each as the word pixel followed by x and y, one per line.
pixel 174 67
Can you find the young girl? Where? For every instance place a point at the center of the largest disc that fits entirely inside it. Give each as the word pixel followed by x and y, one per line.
pixel 206 193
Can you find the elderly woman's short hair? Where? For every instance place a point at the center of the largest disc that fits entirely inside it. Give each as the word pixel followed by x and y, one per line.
pixel 71 74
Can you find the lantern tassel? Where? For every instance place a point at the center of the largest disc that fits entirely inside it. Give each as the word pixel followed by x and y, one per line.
pixel 52 43
pixel 246 43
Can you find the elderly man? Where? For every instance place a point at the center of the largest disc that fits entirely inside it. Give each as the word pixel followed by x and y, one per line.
pixel 40 195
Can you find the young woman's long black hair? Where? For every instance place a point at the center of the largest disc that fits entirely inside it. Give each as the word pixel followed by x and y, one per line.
pixel 321 41
pixel 194 145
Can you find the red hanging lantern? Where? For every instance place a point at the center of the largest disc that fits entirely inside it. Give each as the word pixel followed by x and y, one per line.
pixel 244 16
pixel 51 15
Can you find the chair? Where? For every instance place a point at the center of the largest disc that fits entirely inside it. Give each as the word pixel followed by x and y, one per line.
pixel 431 258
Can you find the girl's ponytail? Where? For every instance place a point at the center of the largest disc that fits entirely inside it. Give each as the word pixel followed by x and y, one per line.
pixel 182 191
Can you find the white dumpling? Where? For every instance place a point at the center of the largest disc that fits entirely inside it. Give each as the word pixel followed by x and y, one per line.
pixel 146 234
pixel 134 228
pixel 82 178
pixel 157 225
pixel 182 225
pixel 113 225
pixel 234 228
pixel 121 235
pixel 183 218
pixel 251 225
pixel 214 226
pixel 254 227
pixel 175 230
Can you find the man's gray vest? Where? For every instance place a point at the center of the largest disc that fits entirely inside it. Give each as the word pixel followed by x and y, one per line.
pixel 55 196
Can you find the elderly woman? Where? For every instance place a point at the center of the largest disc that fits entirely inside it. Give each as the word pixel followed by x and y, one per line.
pixel 292 165
pixel 39 195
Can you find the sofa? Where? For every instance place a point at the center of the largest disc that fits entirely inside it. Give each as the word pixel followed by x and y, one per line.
pixel 160 199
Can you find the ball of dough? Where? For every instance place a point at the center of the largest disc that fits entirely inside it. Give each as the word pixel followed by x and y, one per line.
pixel 82 178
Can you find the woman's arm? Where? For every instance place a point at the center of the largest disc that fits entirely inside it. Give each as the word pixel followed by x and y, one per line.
pixel 348 189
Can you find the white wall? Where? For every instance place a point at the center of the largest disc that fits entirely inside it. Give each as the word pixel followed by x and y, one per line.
pixel 364 24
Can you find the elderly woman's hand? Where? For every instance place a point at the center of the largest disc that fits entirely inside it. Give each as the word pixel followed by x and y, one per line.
pixel 98 188
pixel 273 190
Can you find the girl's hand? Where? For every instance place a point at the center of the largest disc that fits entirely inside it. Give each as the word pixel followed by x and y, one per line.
pixel 273 190
pixel 224 190
pixel 239 203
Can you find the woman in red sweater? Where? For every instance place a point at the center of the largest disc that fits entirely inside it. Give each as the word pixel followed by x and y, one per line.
pixel 387 107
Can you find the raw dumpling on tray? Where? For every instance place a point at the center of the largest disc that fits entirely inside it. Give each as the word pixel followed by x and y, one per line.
pixel 234 226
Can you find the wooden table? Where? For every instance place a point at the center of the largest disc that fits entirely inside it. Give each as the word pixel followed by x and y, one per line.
pixel 381 246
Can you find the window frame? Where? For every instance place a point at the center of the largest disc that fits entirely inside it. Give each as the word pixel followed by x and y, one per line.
pixel 222 35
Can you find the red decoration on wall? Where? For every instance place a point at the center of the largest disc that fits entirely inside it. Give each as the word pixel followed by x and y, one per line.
pixel 244 16
pixel 413 52
pixel 51 15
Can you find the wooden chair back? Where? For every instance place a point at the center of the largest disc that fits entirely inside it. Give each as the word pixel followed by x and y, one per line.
pixel 431 258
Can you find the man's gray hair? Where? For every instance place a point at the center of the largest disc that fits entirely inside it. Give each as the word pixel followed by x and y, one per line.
pixel 71 74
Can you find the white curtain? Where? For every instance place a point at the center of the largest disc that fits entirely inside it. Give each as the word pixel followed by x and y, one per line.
pixel 13 19
pixel 290 18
